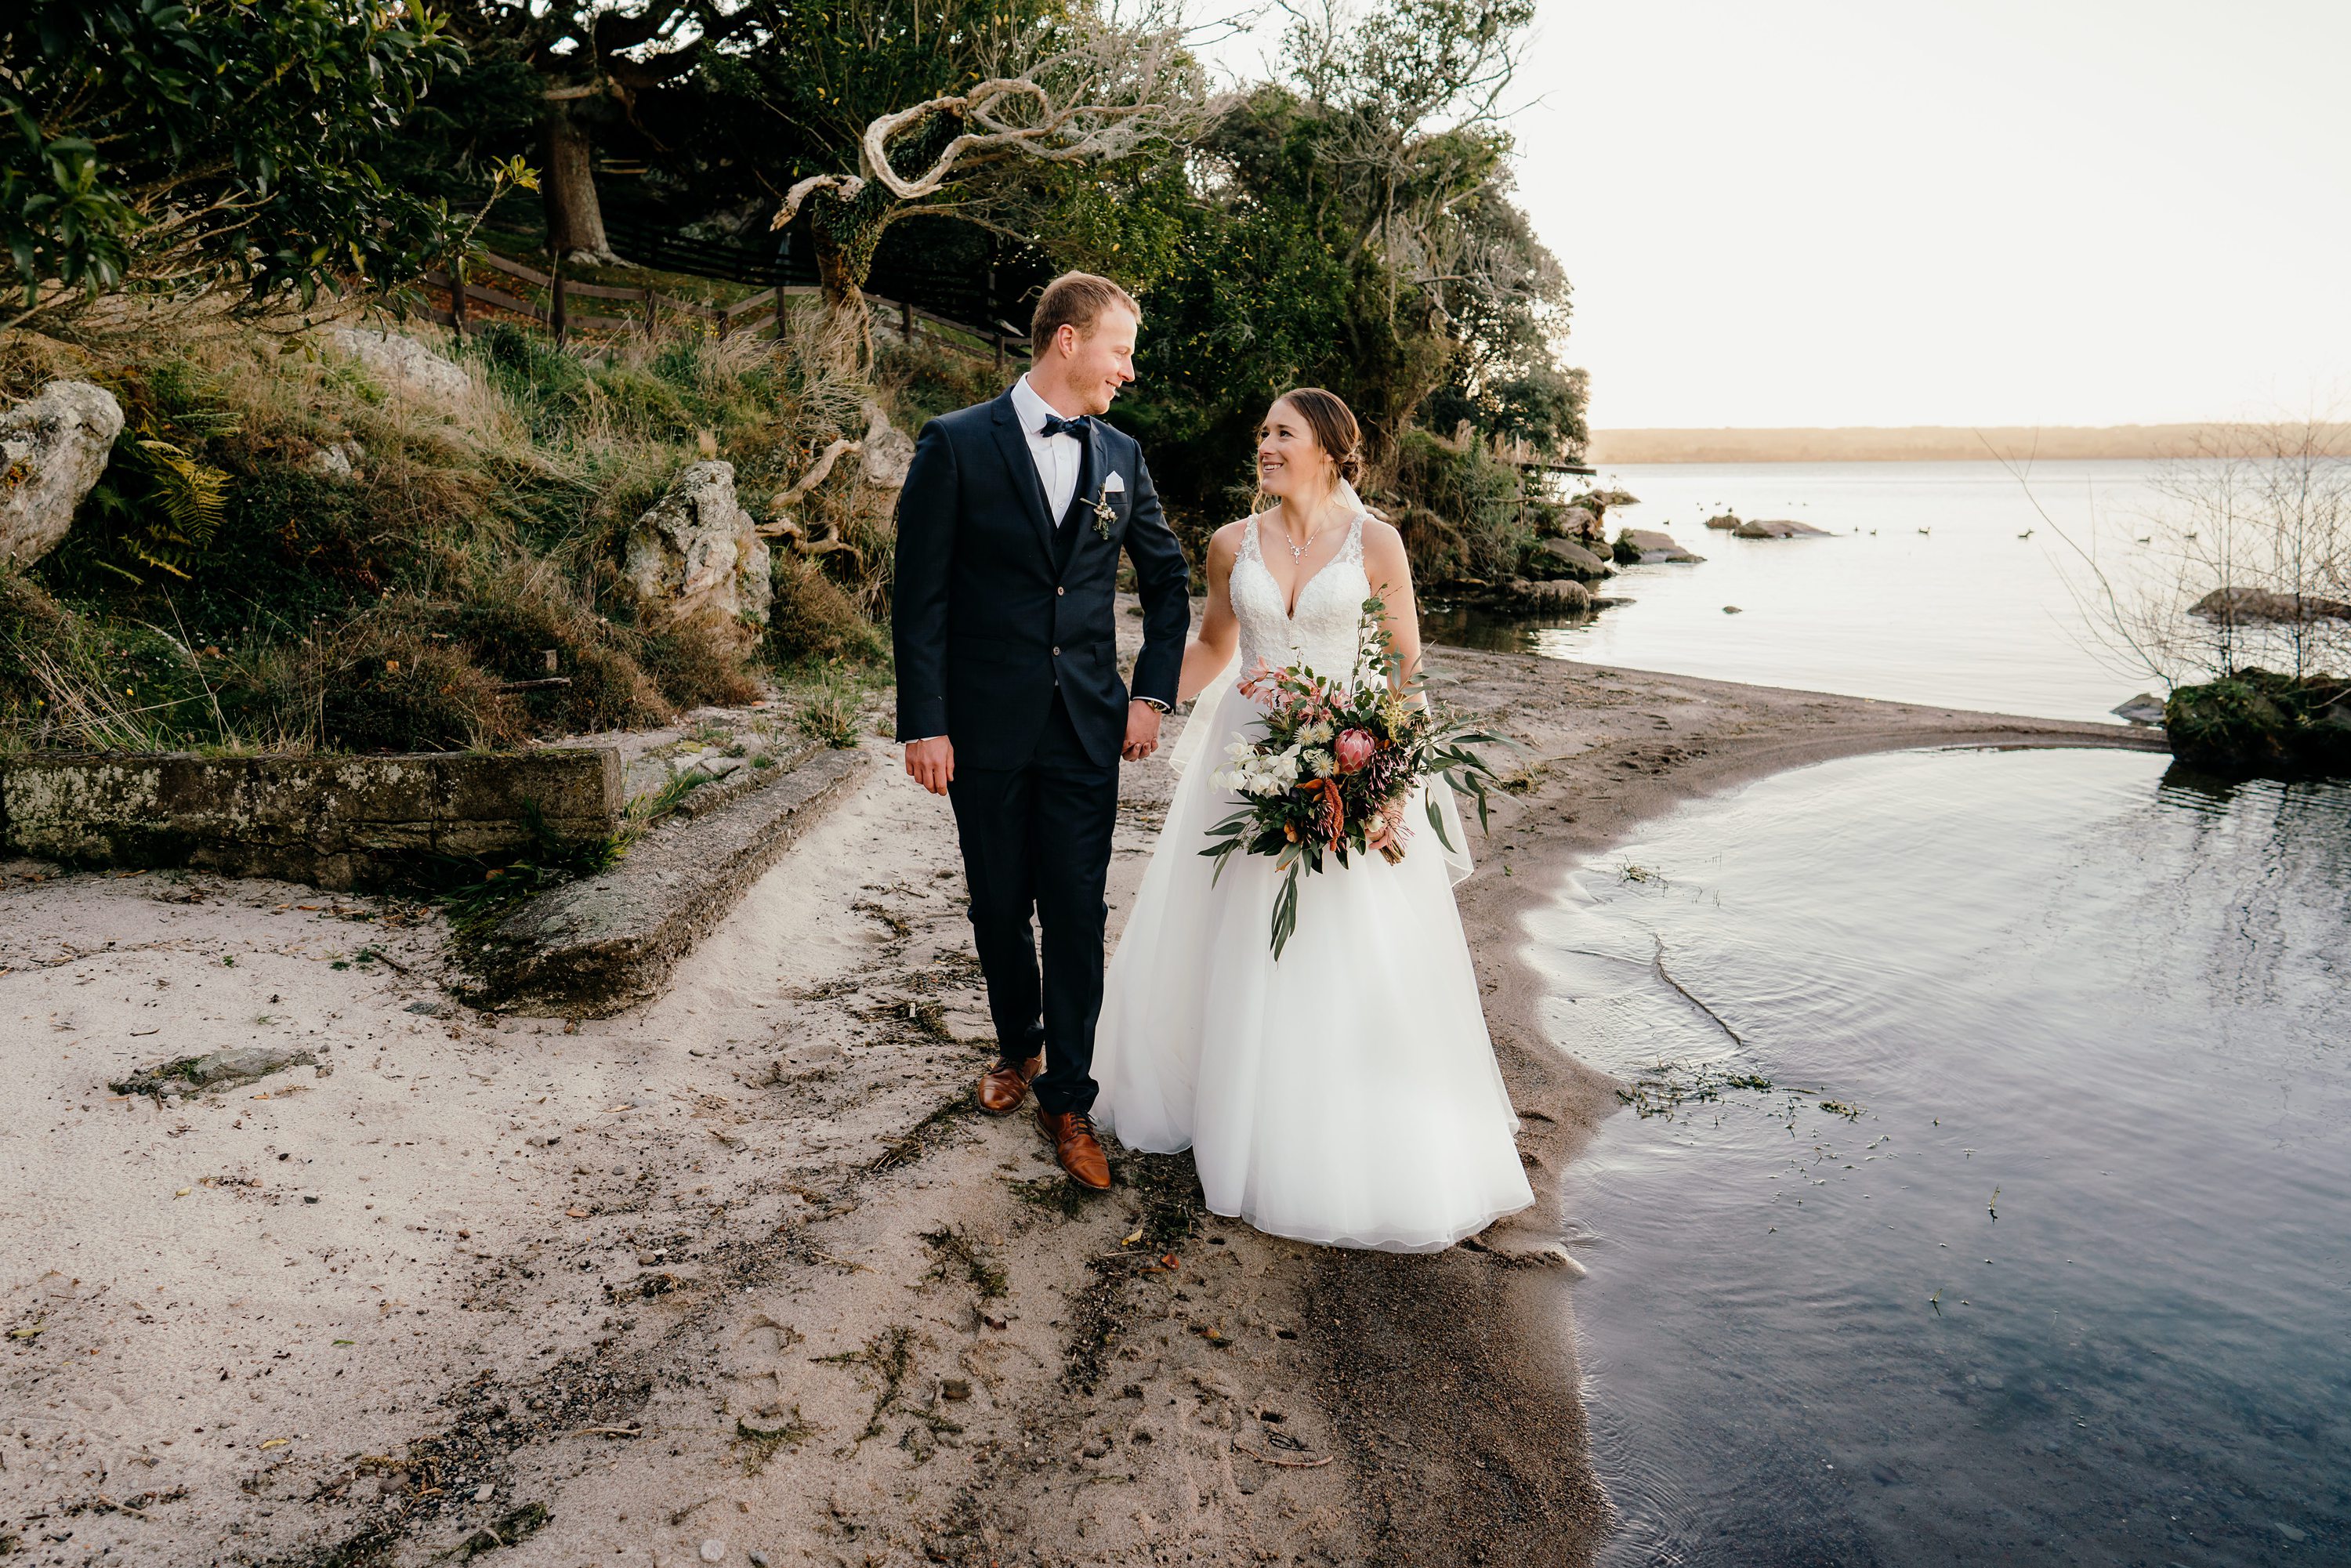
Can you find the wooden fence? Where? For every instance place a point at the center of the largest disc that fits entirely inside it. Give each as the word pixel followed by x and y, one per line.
pixel 997 340
pixel 555 311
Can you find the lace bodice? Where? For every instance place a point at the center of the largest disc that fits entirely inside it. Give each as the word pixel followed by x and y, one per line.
pixel 1323 630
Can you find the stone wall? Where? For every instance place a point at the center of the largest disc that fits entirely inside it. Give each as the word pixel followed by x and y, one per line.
pixel 335 821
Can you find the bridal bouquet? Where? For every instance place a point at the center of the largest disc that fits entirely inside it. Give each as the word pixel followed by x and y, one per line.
pixel 1334 769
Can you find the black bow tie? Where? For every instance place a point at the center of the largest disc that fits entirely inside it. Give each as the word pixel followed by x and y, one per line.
pixel 1056 425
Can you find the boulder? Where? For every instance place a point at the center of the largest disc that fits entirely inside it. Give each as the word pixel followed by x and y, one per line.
pixel 1774 528
pixel 53 448
pixel 1599 501
pixel 2145 708
pixel 1647 547
pixel 2258 723
pixel 402 364
pixel 339 461
pixel 1726 521
pixel 1559 595
pixel 1554 559
pixel 886 452
pixel 1568 523
pixel 2263 605
pixel 696 555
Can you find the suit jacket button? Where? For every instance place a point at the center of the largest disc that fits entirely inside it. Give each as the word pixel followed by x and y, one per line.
pixel 1059 591
pixel 1057 653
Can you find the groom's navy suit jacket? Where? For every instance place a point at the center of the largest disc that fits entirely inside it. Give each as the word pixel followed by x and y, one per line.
pixel 994 601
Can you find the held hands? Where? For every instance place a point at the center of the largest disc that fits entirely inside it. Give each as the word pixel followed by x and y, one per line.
pixel 931 763
pixel 1141 731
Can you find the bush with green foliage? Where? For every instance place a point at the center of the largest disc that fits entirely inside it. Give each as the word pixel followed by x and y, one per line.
pixel 176 150
pixel 2259 722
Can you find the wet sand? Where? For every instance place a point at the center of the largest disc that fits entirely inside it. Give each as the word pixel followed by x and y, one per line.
pixel 742 1266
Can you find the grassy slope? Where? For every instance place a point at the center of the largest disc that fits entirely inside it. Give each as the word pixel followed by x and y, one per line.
pixel 221 590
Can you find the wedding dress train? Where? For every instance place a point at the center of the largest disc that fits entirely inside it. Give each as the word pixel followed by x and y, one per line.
pixel 1347 1093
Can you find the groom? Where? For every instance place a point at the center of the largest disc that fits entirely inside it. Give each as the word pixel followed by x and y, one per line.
pixel 1010 701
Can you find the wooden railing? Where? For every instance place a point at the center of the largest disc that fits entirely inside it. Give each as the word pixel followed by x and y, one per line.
pixel 996 341
pixel 555 312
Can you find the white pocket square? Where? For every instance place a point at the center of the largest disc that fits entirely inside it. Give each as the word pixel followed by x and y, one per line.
pixel 1114 485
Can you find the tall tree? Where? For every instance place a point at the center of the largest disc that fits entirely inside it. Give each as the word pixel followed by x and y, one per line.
pixel 896 108
pixel 594 60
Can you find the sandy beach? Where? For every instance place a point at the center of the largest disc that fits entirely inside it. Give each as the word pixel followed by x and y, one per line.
pixel 741 1272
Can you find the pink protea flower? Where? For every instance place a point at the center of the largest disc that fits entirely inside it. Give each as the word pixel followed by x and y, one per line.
pixel 1353 748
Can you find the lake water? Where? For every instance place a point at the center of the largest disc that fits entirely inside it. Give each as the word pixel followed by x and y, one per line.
pixel 1966 613
pixel 1993 1201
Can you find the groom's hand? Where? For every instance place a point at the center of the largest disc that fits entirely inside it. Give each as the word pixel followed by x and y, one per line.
pixel 1141 731
pixel 931 763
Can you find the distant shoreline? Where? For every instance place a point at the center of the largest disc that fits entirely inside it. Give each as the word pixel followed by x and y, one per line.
pixel 1912 443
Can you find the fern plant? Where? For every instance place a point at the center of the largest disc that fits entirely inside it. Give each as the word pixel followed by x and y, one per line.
pixel 163 501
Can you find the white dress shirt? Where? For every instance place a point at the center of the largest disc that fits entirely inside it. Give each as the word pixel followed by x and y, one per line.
pixel 1058 456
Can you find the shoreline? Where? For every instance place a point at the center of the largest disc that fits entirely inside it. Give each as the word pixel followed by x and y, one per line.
pixel 1617 748
pixel 738 1266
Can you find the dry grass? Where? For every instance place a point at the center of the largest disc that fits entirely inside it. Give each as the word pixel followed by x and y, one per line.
pixel 474 550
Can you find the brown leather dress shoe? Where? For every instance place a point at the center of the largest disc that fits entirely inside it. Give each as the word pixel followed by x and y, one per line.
pixel 1075 1146
pixel 1003 1086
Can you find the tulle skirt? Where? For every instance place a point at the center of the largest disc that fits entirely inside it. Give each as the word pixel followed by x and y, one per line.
pixel 1345 1094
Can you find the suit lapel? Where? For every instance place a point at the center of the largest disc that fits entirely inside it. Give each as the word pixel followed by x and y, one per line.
pixel 1012 442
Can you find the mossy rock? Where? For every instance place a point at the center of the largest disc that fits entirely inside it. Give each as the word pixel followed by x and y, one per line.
pixel 2260 723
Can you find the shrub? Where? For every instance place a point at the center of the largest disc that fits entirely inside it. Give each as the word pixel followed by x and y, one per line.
pixel 833 715
pixel 694 662
pixel 811 618
pixel 395 690
pixel 1459 509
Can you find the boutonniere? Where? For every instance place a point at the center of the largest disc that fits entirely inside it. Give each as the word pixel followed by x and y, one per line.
pixel 1105 517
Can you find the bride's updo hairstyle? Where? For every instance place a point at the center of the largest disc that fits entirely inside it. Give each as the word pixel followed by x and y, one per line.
pixel 1334 427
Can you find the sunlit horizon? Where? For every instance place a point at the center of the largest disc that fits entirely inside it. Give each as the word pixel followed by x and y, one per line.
pixel 1825 213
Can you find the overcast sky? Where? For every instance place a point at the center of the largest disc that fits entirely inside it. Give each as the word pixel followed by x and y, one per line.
pixel 1946 212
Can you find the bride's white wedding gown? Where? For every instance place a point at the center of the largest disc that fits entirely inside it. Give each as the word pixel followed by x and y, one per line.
pixel 1347 1093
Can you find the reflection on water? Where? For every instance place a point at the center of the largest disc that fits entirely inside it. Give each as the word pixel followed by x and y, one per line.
pixel 2062 1273
pixel 1942 582
pixel 1496 630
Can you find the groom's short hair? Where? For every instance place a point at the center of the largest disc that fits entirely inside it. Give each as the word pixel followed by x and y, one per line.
pixel 1075 299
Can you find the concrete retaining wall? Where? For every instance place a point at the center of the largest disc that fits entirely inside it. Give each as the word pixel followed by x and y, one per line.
pixel 335 821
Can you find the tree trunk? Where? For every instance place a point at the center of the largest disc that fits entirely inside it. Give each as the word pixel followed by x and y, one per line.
pixel 848 329
pixel 575 219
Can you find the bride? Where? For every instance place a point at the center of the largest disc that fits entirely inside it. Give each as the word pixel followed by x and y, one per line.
pixel 1345 1094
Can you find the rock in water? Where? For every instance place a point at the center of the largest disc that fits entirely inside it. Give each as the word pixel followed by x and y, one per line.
pixel 1559 595
pixel 886 451
pixel 1566 557
pixel 1727 520
pixel 2144 708
pixel 697 555
pixel 402 363
pixel 1646 546
pixel 1775 528
pixel 53 448
pixel 2263 605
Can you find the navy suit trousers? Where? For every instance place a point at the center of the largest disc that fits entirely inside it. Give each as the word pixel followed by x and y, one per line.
pixel 1036 842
